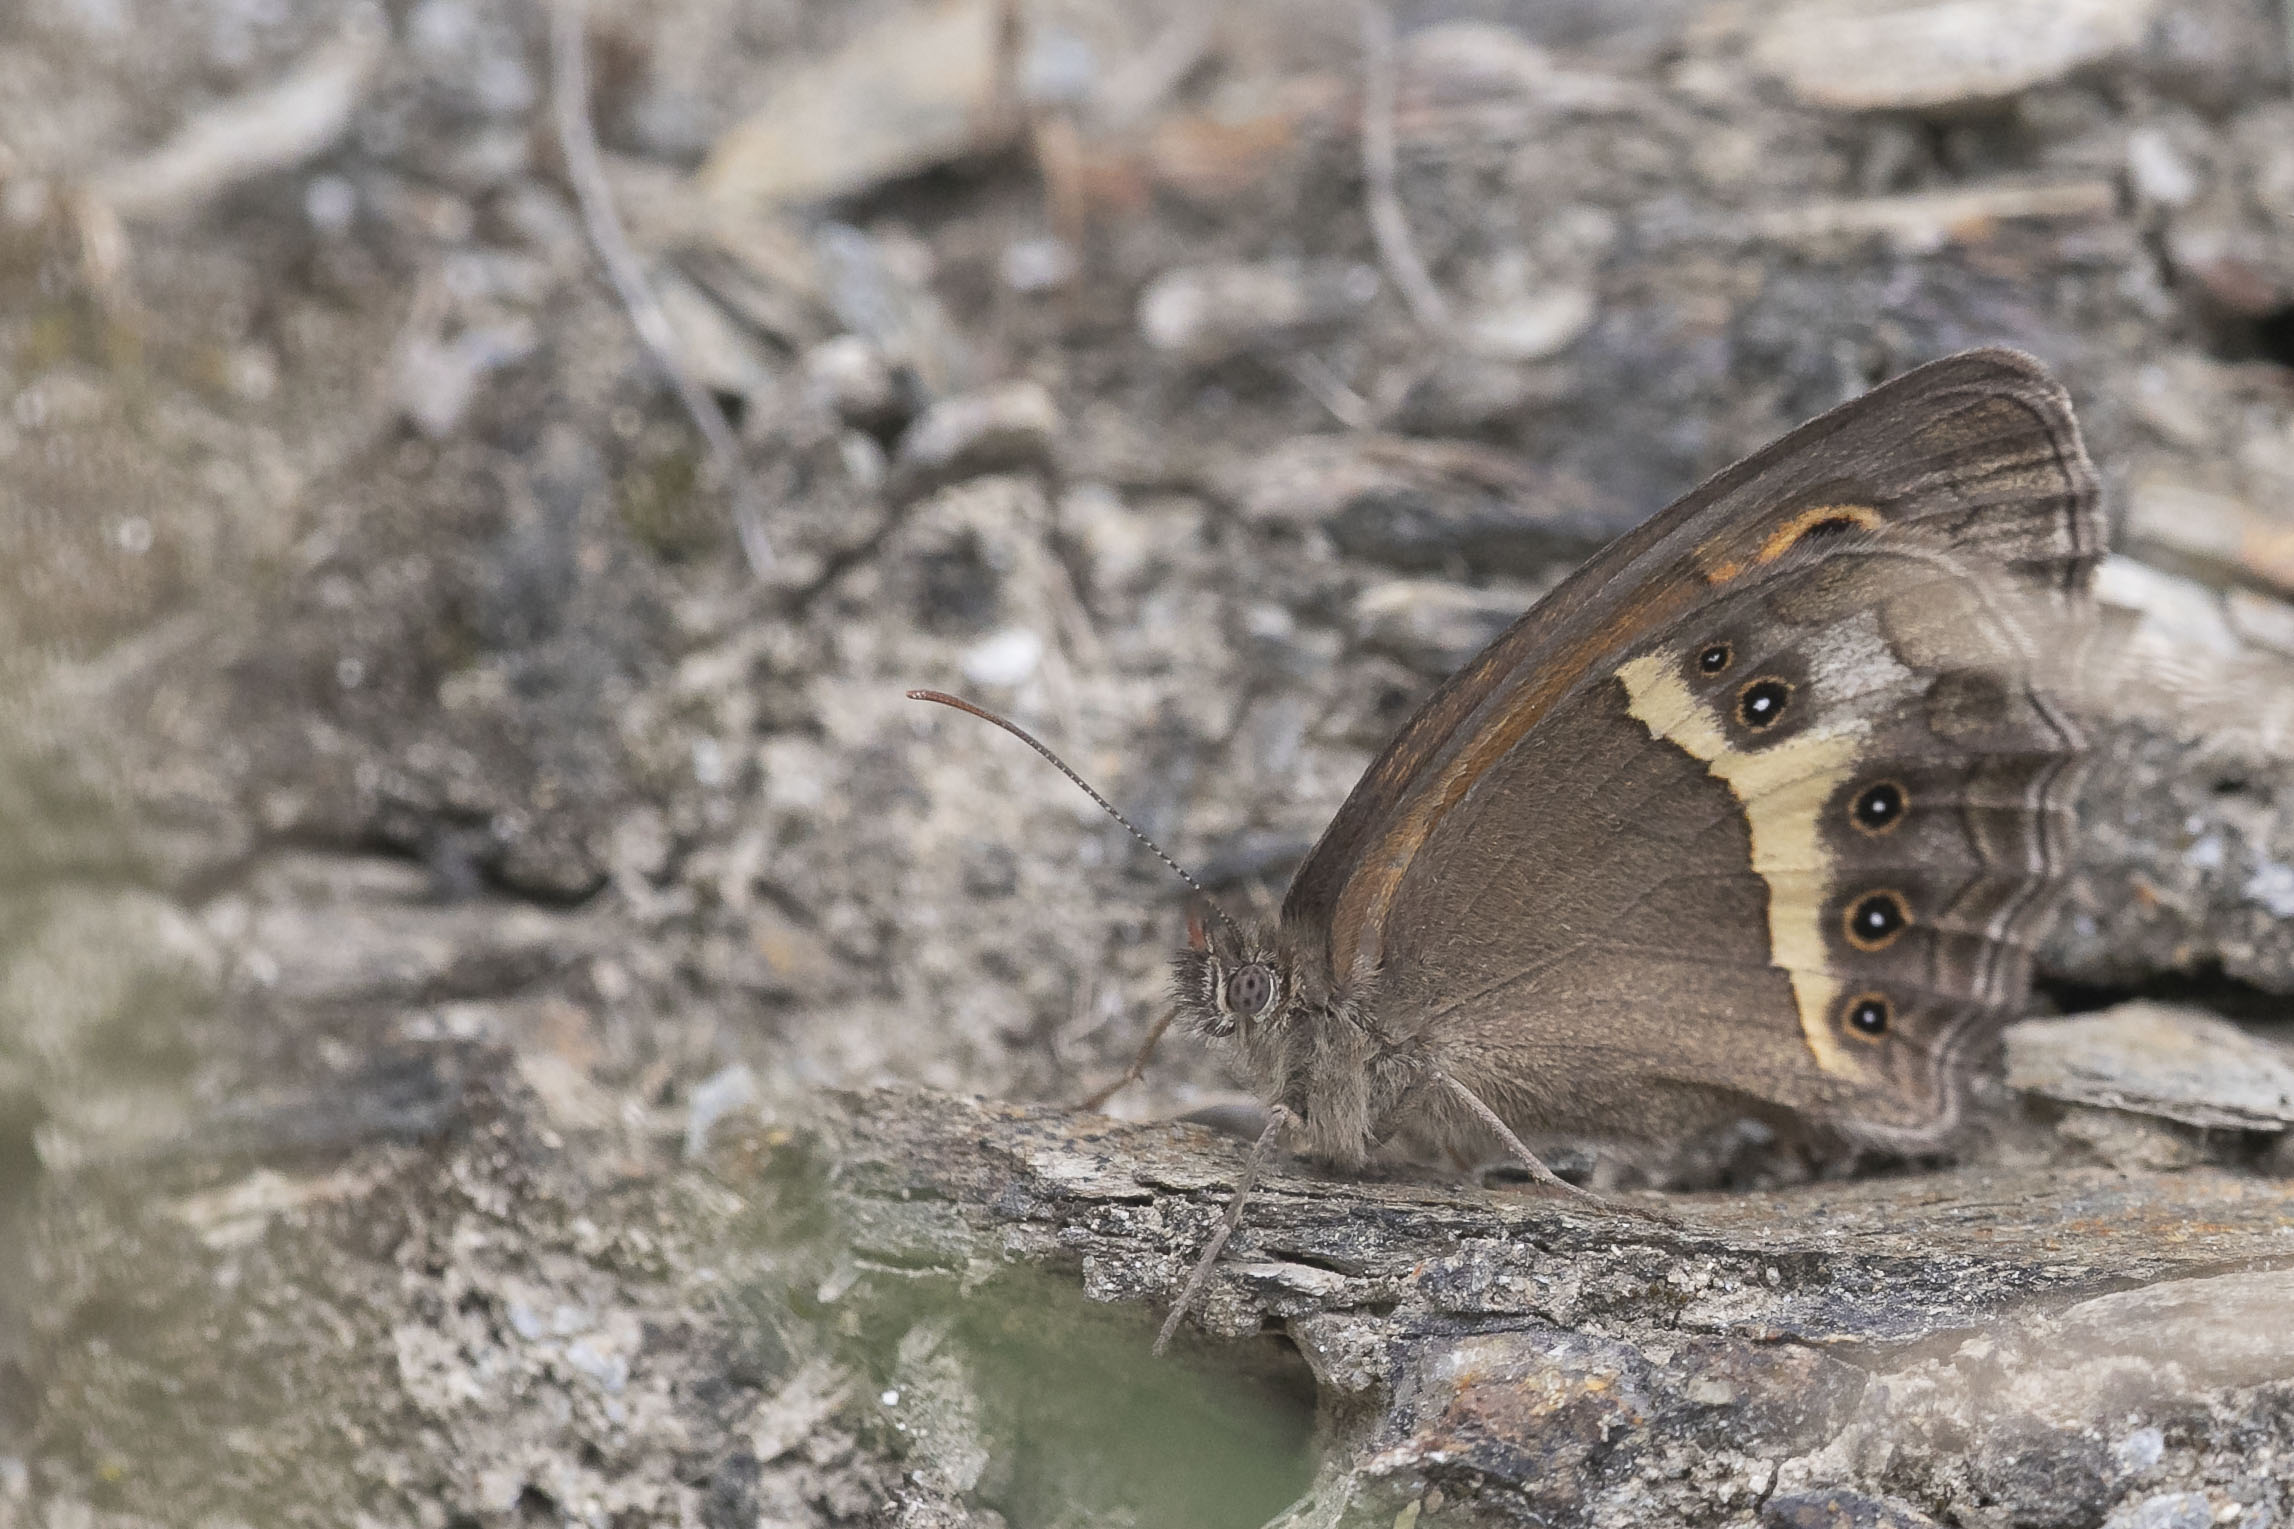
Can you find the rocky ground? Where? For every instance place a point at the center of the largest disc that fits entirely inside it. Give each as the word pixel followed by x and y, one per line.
pixel 424 819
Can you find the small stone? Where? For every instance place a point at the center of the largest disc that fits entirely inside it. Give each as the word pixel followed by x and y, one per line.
pixel 1532 327
pixel 2131 1143
pixel 2261 620
pixel 923 86
pixel 723 1093
pixel 1030 266
pixel 2168 1510
pixel 1465 394
pixel 1909 55
pixel 1005 659
pixel 437 378
pixel 1432 626
pixel 2043 1477
pixel 2236 265
pixel 1209 313
pixel 600 1361
pixel 851 378
pixel 2270 886
pixel 2158 170
pixel 1127 543
pixel 998 429
pixel 1839 1508
pixel 2216 54
pixel 251 372
pixel 2139 1451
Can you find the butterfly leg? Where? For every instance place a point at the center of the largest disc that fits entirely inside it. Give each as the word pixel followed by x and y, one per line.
pixel 1537 1170
pixel 1137 1069
pixel 1277 1118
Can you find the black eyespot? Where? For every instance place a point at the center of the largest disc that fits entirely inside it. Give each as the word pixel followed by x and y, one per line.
pixel 1714 659
pixel 1867 1014
pixel 1762 702
pixel 1876 919
pixel 1250 991
pixel 1878 808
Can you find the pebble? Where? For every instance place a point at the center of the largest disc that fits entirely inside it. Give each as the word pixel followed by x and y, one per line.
pixel 1839 1508
pixel 437 379
pixel 1534 327
pixel 1209 313
pixel 2139 1450
pixel 850 377
pixel 997 429
pixel 724 1092
pixel 1464 394
pixel 921 87
pixel 2168 1510
pixel 2158 170
pixel 1910 55
pixel 1433 626
pixel 1005 659
pixel 1031 266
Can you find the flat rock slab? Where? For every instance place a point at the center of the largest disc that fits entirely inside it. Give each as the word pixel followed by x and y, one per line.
pixel 2157 1059
pixel 1976 1343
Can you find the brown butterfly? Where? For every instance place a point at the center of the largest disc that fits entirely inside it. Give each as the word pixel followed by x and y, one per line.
pixel 1761 812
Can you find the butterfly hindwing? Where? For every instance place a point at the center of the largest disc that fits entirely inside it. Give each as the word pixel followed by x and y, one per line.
pixel 1765 808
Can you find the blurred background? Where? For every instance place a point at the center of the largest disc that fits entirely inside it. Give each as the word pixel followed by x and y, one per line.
pixel 476 478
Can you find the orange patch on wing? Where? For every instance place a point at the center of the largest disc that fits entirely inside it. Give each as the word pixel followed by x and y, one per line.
pixel 1787 536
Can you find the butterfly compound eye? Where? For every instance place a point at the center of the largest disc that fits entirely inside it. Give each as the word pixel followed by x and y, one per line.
pixel 1250 990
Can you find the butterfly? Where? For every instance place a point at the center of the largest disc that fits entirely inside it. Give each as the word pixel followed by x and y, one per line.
pixel 1761 812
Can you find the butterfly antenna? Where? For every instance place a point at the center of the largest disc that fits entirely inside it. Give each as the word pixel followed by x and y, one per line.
pixel 944 699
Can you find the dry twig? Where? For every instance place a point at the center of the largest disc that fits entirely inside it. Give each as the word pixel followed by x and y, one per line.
pixel 584 169
pixel 1388 226
pixel 280 125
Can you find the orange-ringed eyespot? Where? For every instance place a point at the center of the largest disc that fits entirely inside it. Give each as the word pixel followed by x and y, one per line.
pixel 1761 703
pixel 1867 1014
pixel 1876 919
pixel 1878 807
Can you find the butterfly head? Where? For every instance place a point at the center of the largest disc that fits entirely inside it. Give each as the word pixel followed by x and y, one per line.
pixel 1230 981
